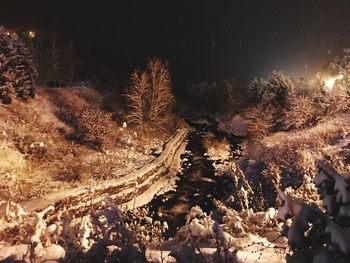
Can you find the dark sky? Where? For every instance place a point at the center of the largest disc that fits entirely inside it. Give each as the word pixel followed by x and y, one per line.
pixel 203 40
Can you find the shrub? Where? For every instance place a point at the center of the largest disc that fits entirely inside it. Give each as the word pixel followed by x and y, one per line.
pixel 273 91
pixel 92 127
pixel 300 112
pixel 280 104
pixel 330 102
pixel 96 128
pixel 341 65
pixel 150 97
pixel 317 235
pixel 280 86
pixel 340 94
pixel 231 97
pixel 260 120
pixel 339 99
pixel 17 70
pixel 256 90
pixel 30 145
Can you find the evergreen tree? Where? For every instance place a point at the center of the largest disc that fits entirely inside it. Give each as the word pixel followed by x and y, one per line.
pixel 72 62
pixel 55 57
pixel 17 70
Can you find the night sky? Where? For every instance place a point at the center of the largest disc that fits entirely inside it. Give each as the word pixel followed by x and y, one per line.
pixel 203 40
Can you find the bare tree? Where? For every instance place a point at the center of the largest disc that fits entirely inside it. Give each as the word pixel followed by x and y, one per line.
pixel 137 97
pixel 162 98
pixel 72 62
pixel 55 56
pixel 150 96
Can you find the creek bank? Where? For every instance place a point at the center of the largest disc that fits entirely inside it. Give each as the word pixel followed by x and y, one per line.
pixel 121 190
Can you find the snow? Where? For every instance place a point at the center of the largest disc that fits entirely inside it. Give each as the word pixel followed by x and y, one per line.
pixel 334 192
pixel 39 236
pixel 258 249
pixel 339 236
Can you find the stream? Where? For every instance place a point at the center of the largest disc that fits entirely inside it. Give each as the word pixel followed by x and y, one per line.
pixel 197 183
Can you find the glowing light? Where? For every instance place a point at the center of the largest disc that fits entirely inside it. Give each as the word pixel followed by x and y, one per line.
pixel 31 34
pixel 329 83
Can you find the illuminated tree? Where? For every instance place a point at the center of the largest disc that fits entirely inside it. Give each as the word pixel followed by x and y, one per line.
pixel 137 97
pixel 161 98
pixel 17 70
pixel 150 97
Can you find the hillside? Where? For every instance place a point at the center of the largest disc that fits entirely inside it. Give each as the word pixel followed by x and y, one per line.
pixel 47 145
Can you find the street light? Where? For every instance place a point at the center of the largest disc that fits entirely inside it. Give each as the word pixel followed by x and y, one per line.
pixel 329 83
pixel 31 34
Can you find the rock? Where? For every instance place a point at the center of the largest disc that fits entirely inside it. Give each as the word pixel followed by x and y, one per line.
pixel 16 253
pixel 208 180
pixel 53 253
pixel 157 151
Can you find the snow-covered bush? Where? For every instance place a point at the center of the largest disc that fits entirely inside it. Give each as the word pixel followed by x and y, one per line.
pixel 317 236
pixel 99 235
pixel 310 102
pixel 325 101
pixel 267 99
pixel 300 112
pixel 272 91
pixel 97 129
pixel 341 65
pixel 150 98
pixel 201 230
pixel 31 145
pixel 17 70
pixel 260 119
pixel 256 90
pixel 280 104
pixel 339 96
pixel 279 87
pixel 27 237
pixel 92 127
